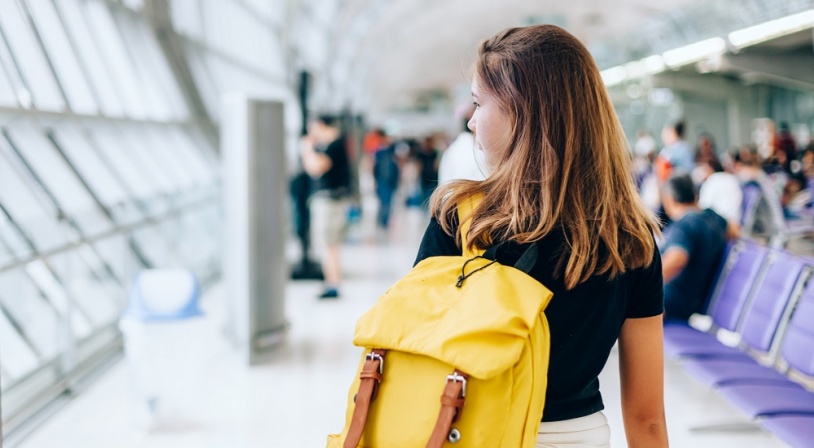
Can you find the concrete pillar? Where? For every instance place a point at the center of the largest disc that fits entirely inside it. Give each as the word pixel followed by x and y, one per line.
pixel 255 197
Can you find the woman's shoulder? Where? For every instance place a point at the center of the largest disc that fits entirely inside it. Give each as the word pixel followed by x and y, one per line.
pixel 436 242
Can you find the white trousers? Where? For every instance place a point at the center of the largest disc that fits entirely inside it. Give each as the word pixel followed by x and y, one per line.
pixel 590 431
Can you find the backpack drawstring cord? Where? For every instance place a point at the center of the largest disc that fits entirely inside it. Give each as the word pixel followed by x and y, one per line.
pixel 465 276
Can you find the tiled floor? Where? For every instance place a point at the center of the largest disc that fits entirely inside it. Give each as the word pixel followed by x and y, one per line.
pixel 298 396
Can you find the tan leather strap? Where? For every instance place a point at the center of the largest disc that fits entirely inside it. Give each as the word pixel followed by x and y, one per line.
pixel 370 377
pixel 452 403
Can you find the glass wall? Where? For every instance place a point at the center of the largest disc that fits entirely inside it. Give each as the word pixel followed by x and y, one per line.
pixel 102 173
pixel 233 45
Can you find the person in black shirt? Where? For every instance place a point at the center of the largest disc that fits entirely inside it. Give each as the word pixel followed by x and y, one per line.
pixel 559 178
pixel 427 157
pixel 694 245
pixel 325 159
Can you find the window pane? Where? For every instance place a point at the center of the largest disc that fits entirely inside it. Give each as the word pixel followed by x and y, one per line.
pixel 59 179
pixel 58 298
pixel 162 149
pixel 235 31
pixel 157 244
pixel 203 80
pixel 198 246
pixel 192 156
pixel 162 69
pixel 6 256
pixel 152 163
pixel 160 106
pixel 111 145
pixel 186 18
pixel 115 54
pixel 11 239
pixel 9 68
pixel 62 57
pixel 17 358
pixel 204 145
pixel 38 320
pixel 96 173
pixel 117 254
pixel 7 96
pixel 90 293
pixel 104 272
pixel 34 213
pixel 29 56
pixel 134 4
pixel 77 27
pixel 269 11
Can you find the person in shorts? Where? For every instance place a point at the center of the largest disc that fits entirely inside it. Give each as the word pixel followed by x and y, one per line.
pixel 325 159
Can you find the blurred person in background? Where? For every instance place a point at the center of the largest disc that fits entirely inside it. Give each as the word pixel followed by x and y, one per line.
pixel 767 215
pixel 427 157
pixel 785 147
pixel 462 160
pixel 374 140
pixel 719 191
pixel 796 196
pixel 325 159
pixel 386 178
pixel 705 149
pixel 807 163
pixel 644 152
pixel 693 247
pixel 677 156
pixel 645 146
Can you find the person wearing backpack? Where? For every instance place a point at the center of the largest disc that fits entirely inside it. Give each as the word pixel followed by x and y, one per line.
pixel 560 180
pixel 523 281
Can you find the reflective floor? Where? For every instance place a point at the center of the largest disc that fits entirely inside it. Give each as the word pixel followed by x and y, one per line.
pixel 210 399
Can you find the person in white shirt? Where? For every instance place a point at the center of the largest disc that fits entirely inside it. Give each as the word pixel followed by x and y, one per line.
pixel 719 190
pixel 462 160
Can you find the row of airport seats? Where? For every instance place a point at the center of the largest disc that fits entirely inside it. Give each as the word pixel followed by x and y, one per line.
pixel 782 228
pixel 758 352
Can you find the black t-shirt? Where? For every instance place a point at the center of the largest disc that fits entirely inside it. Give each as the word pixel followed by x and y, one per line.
pixel 337 178
pixel 702 235
pixel 584 322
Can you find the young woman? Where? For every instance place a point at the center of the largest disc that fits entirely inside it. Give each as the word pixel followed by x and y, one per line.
pixel 560 179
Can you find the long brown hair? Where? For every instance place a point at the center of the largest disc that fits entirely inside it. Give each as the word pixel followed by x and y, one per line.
pixel 566 162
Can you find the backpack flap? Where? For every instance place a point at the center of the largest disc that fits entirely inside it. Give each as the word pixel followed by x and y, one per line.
pixel 479 327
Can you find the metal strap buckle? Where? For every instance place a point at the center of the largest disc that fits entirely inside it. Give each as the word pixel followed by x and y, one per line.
pixel 458 378
pixel 373 356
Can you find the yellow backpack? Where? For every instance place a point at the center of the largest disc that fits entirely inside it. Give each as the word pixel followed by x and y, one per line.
pixel 455 354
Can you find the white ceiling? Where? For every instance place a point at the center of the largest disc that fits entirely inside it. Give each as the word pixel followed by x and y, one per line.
pixel 382 53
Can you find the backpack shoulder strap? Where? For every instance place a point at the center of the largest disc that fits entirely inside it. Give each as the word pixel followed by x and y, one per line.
pixel 465 211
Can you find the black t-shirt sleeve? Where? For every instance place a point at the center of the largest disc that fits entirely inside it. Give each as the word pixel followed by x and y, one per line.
pixel 436 243
pixel 647 299
pixel 335 150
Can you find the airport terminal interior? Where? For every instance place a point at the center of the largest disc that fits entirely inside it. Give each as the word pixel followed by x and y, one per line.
pixel 162 283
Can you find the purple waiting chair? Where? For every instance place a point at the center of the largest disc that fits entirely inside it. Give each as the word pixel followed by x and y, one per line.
pixel 774 300
pixel 796 430
pixel 775 402
pixel 726 309
pixel 798 351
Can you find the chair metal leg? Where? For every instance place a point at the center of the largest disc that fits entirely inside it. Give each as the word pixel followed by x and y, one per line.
pixel 750 426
